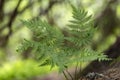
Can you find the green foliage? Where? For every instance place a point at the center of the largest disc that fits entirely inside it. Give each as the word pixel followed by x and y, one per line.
pixel 21 70
pixel 52 47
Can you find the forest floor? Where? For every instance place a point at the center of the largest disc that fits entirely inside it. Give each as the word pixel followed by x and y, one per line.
pixel 106 74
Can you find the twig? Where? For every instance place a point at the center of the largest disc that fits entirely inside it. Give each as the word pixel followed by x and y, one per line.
pixel 11 20
pixel 19 12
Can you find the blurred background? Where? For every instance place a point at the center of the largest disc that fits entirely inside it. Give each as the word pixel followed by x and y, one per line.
pixel 23 66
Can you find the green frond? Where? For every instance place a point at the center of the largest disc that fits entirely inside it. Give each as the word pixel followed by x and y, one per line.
pixel 51 47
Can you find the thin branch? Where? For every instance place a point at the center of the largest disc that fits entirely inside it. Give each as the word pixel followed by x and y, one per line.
pixel 14 14
pixel 50 5
pixel 1 10
pixel 18 12
pixel 12 17
pixel 11 20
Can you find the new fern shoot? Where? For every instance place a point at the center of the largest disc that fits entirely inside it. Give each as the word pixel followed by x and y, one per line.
pixel 52 47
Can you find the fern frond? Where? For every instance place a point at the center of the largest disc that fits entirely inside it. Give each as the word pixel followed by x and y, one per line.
pixel 50 45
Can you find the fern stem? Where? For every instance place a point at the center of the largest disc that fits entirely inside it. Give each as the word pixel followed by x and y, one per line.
pixel 76 71
pixel 65 75
pixel 69 74
pixel 80 69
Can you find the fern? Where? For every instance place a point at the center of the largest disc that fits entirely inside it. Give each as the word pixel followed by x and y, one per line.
pixel 49 42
